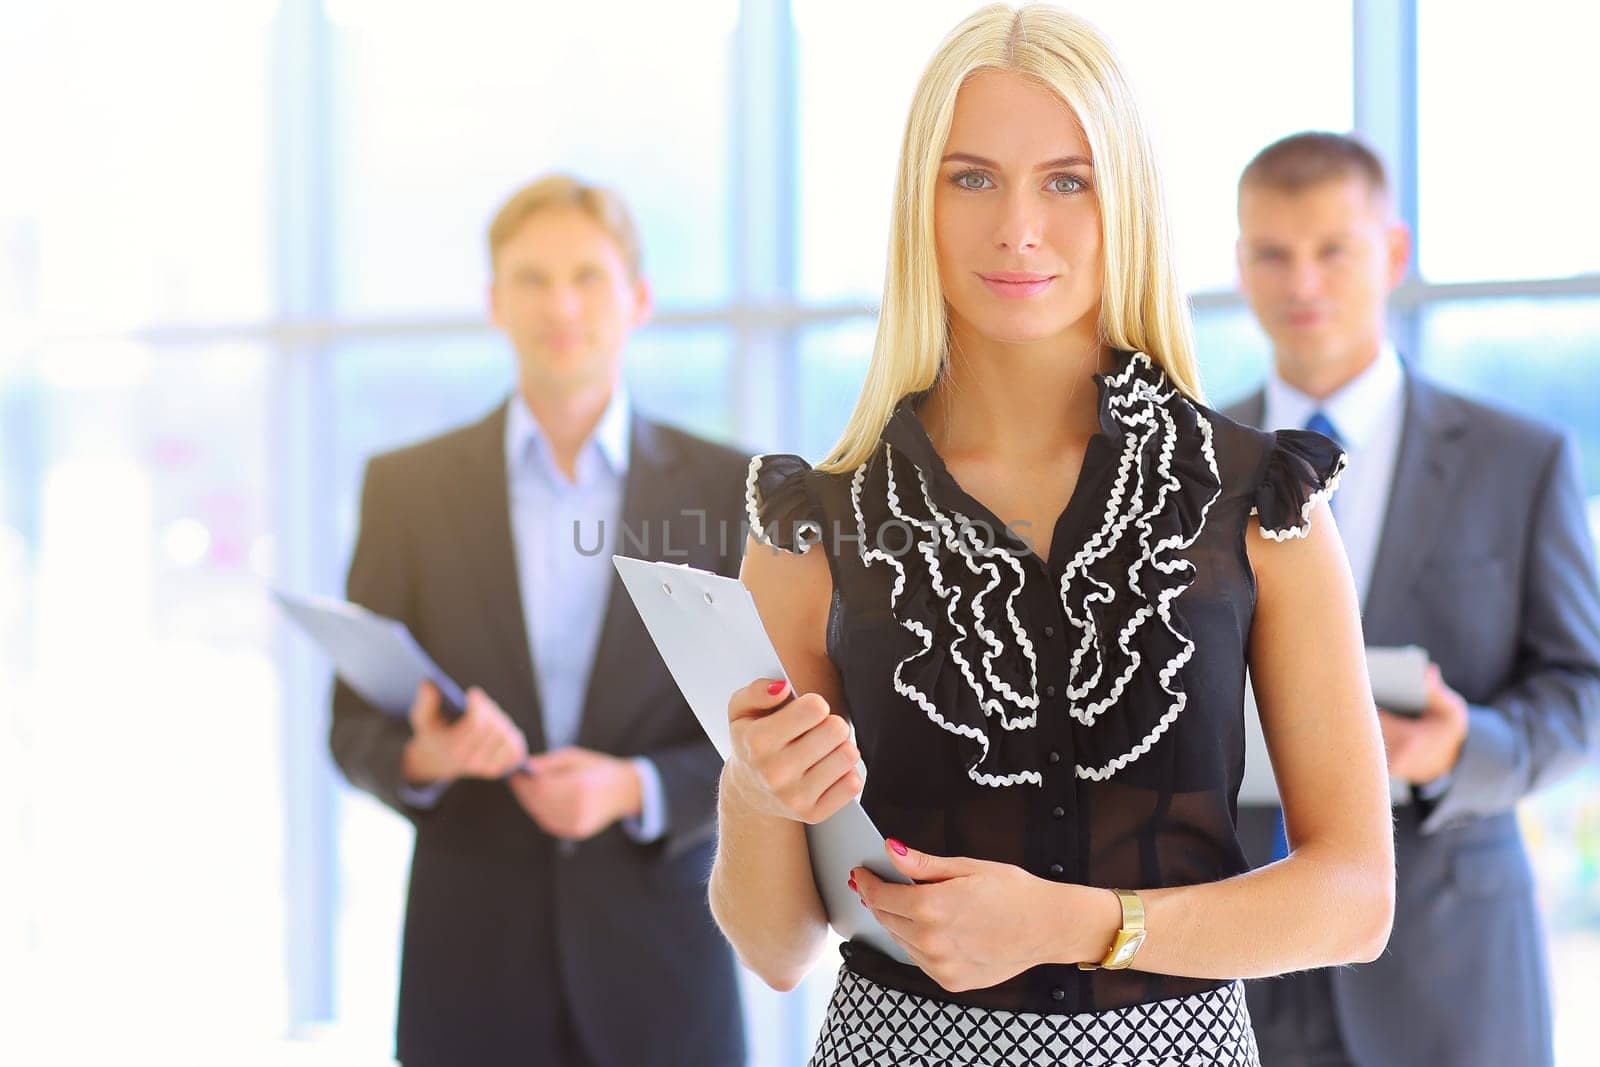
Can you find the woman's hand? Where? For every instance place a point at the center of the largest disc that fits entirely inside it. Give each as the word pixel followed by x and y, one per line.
pixel 972 924
pixel 797 762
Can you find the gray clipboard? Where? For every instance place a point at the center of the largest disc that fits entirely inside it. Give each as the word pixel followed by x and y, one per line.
pixel 712 639
pixel 374 654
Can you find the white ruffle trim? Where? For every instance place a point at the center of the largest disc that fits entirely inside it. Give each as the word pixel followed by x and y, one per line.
pixel 751 504
pixel 952 596
pixel 752 510
pixel 1159 556
pixel 981 559
pixel 1326 492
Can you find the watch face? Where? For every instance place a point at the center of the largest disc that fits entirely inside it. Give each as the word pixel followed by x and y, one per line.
pixel 1125 953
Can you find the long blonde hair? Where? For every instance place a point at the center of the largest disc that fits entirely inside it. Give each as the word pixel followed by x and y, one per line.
pixel 1141 305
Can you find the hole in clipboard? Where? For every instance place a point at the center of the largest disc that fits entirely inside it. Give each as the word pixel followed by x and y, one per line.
pixel 666 587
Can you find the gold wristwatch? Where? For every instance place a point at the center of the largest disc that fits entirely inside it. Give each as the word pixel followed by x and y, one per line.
pixel 1126 944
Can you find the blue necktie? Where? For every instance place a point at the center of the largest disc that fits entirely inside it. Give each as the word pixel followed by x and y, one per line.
pixel 1317 423
pixel 1320 423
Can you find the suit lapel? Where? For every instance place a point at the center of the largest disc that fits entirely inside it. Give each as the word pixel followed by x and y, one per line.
pixel 1425 476
pixel 482 507
pixel 650 498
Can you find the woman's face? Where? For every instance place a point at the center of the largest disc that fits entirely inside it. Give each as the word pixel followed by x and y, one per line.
pixel 1016 218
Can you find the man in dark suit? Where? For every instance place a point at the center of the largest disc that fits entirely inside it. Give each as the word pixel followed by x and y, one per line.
pixel 1466 531
pixel 557 911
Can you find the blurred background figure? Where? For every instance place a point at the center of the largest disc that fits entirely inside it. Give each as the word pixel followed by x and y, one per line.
pixel 556 911
pixel 240 254
pixel 1467 536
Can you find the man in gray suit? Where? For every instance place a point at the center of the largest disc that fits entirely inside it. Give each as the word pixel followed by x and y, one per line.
pixel 1466 533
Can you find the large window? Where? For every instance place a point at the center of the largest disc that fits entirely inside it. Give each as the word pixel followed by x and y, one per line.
pixel 142 824
pixel 144 830
pixel 1505 189
pixel 438 117
pixel 136 183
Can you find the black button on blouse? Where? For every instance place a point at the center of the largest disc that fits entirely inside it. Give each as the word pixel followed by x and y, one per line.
pixel 960 699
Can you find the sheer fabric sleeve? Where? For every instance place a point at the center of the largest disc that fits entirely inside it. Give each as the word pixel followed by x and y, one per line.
pixel 1302 470
pixel 780 503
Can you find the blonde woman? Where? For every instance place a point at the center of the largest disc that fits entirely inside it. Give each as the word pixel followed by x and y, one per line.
pixel 1032 575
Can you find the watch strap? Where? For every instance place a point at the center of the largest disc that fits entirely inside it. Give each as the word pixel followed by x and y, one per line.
pixel 1125 945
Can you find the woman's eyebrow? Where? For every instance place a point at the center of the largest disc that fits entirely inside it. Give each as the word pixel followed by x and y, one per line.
pixel 1051 164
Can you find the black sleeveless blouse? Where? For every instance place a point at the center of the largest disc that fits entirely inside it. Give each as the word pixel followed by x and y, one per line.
pixel 1081 716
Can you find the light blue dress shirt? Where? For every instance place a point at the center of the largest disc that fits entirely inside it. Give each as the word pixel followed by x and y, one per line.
pixel 565 590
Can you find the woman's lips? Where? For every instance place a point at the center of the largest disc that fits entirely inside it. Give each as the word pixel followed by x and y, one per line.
pixel 1017 285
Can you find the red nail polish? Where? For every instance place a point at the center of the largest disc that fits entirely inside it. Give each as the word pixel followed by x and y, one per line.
pixel 899 849
pixel 853 886
pixel 775 688
pixel 864 903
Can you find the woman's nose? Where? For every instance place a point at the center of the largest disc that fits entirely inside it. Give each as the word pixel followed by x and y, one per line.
pixel 1020 226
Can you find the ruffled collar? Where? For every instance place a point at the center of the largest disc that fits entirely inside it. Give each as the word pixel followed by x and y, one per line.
pixel 1149 479
pixel 906 433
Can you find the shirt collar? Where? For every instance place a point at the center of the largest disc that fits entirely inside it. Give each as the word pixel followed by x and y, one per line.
pixel 526 439
pixel 1357 410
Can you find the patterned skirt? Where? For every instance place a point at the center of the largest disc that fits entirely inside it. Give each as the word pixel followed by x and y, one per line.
pixel 870 1024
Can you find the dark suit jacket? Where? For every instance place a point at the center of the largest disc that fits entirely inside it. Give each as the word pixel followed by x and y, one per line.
pixel 505 931
pixel 1485 559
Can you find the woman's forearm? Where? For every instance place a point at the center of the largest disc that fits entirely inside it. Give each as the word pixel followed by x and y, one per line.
pixel 1318 908
pixel 762 893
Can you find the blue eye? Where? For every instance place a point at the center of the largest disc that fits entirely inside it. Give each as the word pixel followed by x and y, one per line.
pixel 971 179
pixel 1067 183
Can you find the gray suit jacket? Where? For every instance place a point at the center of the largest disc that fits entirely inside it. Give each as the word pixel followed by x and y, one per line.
pixel 1485 560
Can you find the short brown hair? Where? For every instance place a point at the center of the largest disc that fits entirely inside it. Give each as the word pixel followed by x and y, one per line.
pixel 1302 160
pixel 603 205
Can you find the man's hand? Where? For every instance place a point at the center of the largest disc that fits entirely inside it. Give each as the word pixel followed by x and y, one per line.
pixel 574 793
pixel 1425 748
pixel 483 743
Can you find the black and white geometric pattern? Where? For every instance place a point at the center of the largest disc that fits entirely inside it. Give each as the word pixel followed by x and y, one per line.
pixel 870 1024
